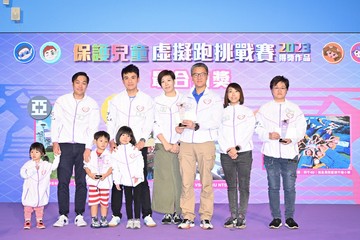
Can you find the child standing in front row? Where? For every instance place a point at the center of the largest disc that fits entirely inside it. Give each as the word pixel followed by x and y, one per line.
pixel 99 179
pixel 128 165
pixel 36 188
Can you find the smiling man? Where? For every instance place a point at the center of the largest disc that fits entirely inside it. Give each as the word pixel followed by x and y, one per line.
pixel 135 109
pixel 75 119
pixel 198 135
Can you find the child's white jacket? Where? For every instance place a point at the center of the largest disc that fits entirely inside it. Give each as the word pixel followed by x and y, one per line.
pixel 99 165
pixel 237 128
pixel 127 163
pixel 36 187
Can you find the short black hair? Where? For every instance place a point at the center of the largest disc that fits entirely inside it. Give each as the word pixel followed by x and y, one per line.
pixel 165 73
pixel 129 69
pixel 76 75
pixel 278 79
pixel 99 134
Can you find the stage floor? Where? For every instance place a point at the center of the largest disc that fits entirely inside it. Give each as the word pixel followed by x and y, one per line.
pixel 330 222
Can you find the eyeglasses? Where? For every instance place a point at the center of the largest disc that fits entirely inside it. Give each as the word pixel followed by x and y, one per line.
pixel 198 75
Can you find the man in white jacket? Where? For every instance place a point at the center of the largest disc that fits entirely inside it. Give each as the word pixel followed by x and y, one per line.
pixel 280 126
pixel 199 132
pixel 135 109
pixel 75 119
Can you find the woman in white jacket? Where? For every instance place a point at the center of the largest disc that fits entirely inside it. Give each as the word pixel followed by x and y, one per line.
pixel 235 141
pixel 36 188
pixel 167 179
pixel 128 165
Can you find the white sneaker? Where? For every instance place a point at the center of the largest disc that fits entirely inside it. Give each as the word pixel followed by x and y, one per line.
pixel 115 220
pixel 79 221
pixel 137 224
pixel 130 224
pixel 149 222
pixel 62 221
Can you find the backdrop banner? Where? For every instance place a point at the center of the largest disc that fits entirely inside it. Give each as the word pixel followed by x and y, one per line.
pixel 323 70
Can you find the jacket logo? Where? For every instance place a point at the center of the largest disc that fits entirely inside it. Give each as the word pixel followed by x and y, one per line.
pixel 207 101
pixel 241 117
pixel 85 109
pixel 140 108
pixel 133 155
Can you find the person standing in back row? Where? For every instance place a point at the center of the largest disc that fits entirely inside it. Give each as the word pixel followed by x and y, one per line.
pixel 74 120
pixel 235 142
pixel 280 125
pixel 135 109
pixel 199 130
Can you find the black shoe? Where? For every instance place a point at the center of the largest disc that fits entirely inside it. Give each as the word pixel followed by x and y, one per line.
pixel 166 219
pixel 176 219
pixel 240 223
pixel 290 223
pixel 230 222
pixel 275 223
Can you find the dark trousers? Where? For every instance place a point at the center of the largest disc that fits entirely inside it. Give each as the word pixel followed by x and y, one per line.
pixel 71 155
pixel 145 201
pixel 145 190
pixel 132 195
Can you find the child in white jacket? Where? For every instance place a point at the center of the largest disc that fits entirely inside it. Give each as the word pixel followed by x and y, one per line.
pixel 36 188
pixel 99 179
pixel 128 170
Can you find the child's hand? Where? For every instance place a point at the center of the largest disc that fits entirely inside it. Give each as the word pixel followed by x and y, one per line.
pixel 92 176
pixel 118 187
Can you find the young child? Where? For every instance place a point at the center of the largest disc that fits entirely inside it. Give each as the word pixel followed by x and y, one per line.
pixel 128 170
pixel 36 189
pixel 99 179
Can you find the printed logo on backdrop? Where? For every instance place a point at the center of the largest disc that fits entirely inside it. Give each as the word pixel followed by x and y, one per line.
pixel 333 53
pixel 24 52
pixel 355 52
pixel 39 107
pixel 50 52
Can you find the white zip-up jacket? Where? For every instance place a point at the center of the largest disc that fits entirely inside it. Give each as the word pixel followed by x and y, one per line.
pixel 36 187
pixel 270 118
pixel 167 116
pixel 99 165
pixel 237 128
pixel 207 113
pixel 74 121
pixel 127 163
pixel 136 113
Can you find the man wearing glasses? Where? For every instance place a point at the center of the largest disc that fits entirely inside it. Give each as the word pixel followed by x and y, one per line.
pixel 198 132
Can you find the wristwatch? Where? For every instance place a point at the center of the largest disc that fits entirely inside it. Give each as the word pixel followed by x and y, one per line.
pixel 197 126
pixel 237 148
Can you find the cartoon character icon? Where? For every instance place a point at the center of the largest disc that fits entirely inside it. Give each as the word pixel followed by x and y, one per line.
pixel 50 52
pixel 24 52
pixel 333 53
pixel 355 52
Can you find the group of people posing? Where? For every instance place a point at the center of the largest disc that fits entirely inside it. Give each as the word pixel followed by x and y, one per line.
pixel 185 129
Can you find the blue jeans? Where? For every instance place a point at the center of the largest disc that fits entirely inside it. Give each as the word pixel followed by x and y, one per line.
pixel 286 168
pixel 237 177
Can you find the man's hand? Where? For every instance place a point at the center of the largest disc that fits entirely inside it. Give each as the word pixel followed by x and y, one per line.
pixel 56 148
pixel 86 154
